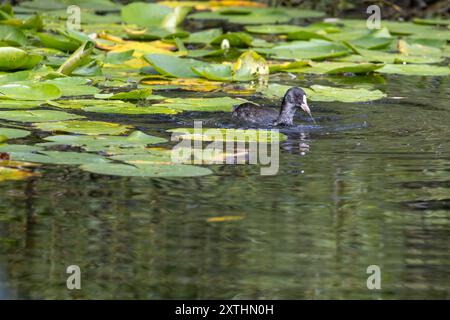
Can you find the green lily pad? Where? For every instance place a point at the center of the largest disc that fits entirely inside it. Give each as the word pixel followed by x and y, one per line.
pixel 19 104
pixel 105 142
pixel 338 68
pixel 415 69
pixel 118 109
pixel 248 66
pixel 256 15
pixel 137 94
pixel 8 148
pixel 17 59
pixel 325 93
pixel 387 57
pixel 83 127
pixel 37 115
pixel 299 50
pixel 74 86
pixel 273 29
pixel 214 134
pixel 434 22
pixel 37 91
pixel 59 41
pixel 153 170
pixel 119 57
pixel 12 36
pixel 173 66
pixel 204 36
pixel 224 104
pixel 59 157
pixel 236 39
pixel 10 133
pixel 151 14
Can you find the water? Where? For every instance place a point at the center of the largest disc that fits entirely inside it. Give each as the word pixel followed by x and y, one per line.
pixel 371 186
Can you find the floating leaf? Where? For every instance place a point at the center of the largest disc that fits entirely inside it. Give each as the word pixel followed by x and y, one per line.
pixel 59 157
pixel 137 94
pixel 12 36
pixel 104 142
pixel 273 29
pixel 325 93
pixel 19 104
pixel 145 14
pixel 37 115
pixel 415 69
pixel 224 104
pixel 248 66
pixel 83 127
pixel 16 59
pixel 338 68
pixel 10 133
pixel 386 57
pixel 153 170
pixel 236 39
pixel 36 91
pixel 214 134
pixel 118 109
pixel 8 148
pixel 59 41
pixel 314 49
pixel 173 66
pixel 204 36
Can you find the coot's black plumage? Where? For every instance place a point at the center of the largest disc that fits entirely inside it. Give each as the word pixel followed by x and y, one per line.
pixel 294 98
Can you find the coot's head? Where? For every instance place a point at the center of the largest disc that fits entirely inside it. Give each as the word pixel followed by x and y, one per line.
pixel 295 98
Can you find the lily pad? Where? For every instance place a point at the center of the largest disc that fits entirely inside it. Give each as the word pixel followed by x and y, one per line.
pixel 16 59
pixel 145 14
pixel 105 142
pixel 37 91
pixel 415 69
pixel 83 127
pixel 214 134
pixel 173 66
pixel 118 109
pixel 325 93
pixel 338 68
pixel 19 104
pixel 153 170
pixel 224 104
pixel 58 157
pixel 10 133
pixel 37 115
pixel 299 50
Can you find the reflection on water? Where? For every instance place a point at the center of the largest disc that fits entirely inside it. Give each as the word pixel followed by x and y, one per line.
pixel 343 200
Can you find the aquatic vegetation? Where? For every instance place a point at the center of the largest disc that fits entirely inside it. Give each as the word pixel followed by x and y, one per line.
pixel 149 52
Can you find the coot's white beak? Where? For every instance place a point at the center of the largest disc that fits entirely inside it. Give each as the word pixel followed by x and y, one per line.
pixel 305 106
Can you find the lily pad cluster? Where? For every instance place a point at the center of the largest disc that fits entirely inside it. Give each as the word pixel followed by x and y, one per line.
pixel 125 62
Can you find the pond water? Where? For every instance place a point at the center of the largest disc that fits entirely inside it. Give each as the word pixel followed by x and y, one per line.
pixel 370 186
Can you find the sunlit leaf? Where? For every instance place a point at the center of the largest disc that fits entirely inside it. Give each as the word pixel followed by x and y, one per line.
pixel 37 115
pixel 35 91
pixel 83 127
pixel 214 134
